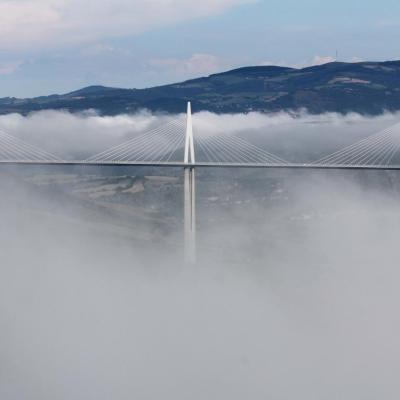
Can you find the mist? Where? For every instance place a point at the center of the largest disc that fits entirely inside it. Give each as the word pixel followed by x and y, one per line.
pixel 297 137
pixel 294 294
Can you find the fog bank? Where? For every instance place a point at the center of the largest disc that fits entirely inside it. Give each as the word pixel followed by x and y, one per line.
pixel 292 298
pixel 296 137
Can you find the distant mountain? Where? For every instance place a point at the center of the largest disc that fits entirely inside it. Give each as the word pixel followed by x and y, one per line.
pixel 366 88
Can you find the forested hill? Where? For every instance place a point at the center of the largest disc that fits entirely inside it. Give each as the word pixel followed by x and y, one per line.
pixel 366 88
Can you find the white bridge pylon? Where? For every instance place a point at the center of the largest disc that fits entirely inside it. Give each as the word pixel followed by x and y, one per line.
pixel 189 140
pixel 189 191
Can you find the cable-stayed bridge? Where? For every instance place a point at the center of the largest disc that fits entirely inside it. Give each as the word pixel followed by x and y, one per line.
pixel 174 144
pixel 164 146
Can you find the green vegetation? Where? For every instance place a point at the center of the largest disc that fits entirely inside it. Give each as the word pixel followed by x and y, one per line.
pixel 367 88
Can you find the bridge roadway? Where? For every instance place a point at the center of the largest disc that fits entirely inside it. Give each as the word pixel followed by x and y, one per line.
pixel 200 165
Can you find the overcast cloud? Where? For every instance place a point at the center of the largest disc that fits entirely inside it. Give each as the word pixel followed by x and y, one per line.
pixel 49 23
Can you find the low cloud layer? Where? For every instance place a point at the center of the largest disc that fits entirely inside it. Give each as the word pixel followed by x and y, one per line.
pixel 294 296
pixel 293 301
pixel 294 137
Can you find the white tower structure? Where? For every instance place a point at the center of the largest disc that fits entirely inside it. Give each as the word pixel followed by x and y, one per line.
pixel 190 191
pixel 189 143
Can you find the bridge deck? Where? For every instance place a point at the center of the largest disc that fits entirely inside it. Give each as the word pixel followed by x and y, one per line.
pixel 200 165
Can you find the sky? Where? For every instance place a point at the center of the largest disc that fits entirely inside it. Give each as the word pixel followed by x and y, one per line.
pixel 56 46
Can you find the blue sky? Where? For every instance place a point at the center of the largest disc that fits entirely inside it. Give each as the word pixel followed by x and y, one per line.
pixel 55 46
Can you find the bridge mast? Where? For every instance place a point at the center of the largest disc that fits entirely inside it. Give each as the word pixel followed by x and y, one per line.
pixel 190 191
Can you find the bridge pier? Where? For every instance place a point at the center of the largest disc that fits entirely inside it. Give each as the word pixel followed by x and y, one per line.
pixel 190 215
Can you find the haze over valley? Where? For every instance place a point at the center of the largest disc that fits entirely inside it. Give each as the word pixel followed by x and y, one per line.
pixel 199 200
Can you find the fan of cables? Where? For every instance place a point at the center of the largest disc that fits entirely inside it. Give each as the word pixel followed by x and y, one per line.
pixel 376 150
pixel 13 149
